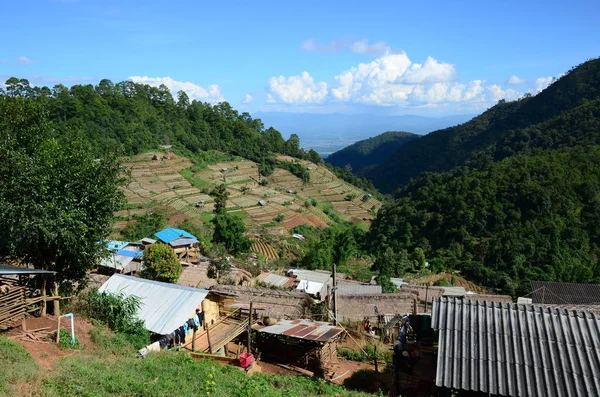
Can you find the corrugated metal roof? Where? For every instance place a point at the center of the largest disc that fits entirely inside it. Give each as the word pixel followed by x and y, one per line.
pixel 275 280
pixel 178 242
pixel 452 291
pixel 317 331
pixel 11 270
pixel 309 275
pixel 116 245
pixel 565 293
pixel 398 282
pixel 115 261
pixel 358 289
pixel 516 350
pixel 164 306
pixel 169 234
pixel 148 240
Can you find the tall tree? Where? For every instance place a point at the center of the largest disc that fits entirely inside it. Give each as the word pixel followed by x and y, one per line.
pixel 56 199
pixel 161 263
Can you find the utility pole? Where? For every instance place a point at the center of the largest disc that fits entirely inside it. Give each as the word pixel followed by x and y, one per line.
pixel 334 292
pixel 249 328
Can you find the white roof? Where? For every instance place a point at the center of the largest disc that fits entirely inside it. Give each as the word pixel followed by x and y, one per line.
pixel 309 275
pixel 164 306
pixel 115 261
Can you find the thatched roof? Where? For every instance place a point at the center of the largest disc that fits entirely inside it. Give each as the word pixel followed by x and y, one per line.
pixel 278 304
pixel 357 307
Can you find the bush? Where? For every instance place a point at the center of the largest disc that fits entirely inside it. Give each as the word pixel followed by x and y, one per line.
pixel 65 340
pixel 118 312
pixel 161 264
pixel 279 218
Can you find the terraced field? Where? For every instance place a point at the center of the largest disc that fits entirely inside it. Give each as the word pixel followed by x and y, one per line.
pixel 281 204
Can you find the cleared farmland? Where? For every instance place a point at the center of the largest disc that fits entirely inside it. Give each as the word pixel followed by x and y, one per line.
pixel 157 179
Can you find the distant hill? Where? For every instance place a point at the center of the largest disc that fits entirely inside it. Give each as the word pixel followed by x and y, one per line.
pixel 371 151
pixel 564 114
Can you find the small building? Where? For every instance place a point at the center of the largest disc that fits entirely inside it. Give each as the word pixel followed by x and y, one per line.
pixel 311 345
pixel 164 306
pixel 271 303
pixel 124 264
pixel 146 241
pixel 262 203
pixel 182 242
pixel 312 282
pixel 115 245
pixel 298 236
pixel 275 280
pixel 357 308
pixel 506 349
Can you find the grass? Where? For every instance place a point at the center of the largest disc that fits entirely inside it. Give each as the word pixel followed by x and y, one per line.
pixel 196 181
pixel 206 217
pixel 17 366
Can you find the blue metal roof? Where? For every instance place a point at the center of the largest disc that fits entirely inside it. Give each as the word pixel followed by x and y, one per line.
pixel 116 245
pixel 169 234
pixel 130 254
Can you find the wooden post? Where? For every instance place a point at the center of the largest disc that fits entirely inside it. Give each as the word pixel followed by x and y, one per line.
pixel 194 341
pixel 249 328
pixel 334 292
pixel 56 300
pixel 24 324
pixel 208 338
pixel 375 358
pixel 44 302
pixel 426 296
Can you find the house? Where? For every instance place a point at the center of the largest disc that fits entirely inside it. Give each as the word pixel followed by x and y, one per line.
pixel 357 308
pixel 181 241
pixel 565 293
pixel 275 280
pixel 311 345
pixel 164 306
pixel 271 303
pixel 507 349
pixel 115 245
pixel 312 282
pixel 125 264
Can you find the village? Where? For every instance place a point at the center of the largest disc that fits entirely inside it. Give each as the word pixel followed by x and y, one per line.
pixel 439 339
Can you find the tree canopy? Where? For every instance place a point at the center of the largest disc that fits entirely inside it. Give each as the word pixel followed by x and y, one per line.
pixel 56 198
pixel 161 263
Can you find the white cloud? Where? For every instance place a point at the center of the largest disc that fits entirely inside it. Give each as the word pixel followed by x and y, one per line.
pixel 212 94
pixel 296 90
pixel 542 83
pixel 515 80
pixel 247 99
pixel 431 71
pixel 356 46
pixel 23 60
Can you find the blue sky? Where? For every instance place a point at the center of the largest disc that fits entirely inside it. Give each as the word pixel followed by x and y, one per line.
pixel 397 57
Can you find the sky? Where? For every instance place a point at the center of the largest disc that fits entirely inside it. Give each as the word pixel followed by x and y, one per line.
pixel 430 58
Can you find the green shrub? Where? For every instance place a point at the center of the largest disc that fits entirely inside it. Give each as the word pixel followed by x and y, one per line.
pixel 65 340
pixel 161 264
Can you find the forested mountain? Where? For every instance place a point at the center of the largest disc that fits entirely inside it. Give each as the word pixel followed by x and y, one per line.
pixel 528 217
pixel 371 151
pixel 564 114
pixel 132 118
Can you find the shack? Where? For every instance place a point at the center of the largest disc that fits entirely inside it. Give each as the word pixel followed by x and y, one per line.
pixel 182 242
pixel 164 306
pixel 272 303
pixel 19 297
pixel 311 345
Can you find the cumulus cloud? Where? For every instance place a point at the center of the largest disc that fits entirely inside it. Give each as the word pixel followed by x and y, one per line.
pixel 542 83
pixel 212 94
pixel 515 80
pixel 391 80
pixel 23 60
pixel 296 90
pixel 247 99
pixel 356 46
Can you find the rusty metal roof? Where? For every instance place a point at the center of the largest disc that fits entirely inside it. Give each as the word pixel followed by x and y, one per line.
pixel 509 349
pixel 317 331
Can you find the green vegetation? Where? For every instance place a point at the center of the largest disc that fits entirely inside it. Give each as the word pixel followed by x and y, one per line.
pixel 528 217
pixel 148 224
pixel 296 169
pixel 371 151
pixel 17 366
pixel 161 263
pixel 565 114
pixel 115 311
pixel 229 229
pixel 56 199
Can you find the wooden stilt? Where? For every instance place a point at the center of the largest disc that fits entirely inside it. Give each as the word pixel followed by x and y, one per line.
pixel 44 302
pixel 56 301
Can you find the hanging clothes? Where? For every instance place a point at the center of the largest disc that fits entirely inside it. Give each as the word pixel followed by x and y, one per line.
pixel 163 342
pixel 191 324
pixel 196 321
pixel 181 335
pixel 186 328
pixel 200 317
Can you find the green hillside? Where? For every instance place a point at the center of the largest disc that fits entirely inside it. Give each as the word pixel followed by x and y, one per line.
pixel 371 151
pixel 568 109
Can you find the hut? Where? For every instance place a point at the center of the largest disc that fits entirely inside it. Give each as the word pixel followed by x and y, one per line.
pixel 357 308
pixel 17 298
pixel 182 242
pixel 311 345
pixel 271 303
